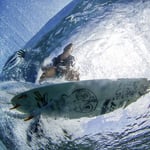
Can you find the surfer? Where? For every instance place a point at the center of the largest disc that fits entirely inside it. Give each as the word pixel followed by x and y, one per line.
pixel 62 66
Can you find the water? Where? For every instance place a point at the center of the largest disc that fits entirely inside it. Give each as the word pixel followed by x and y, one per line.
pixel 26 21
pixel 111 40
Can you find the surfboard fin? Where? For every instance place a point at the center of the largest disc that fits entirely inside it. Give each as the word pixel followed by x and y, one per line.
pixel 16 106
pixel 28 118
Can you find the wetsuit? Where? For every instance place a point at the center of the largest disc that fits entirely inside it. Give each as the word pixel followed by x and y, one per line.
pixel 62 66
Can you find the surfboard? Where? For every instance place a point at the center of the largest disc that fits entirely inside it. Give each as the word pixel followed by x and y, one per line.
pixel 78 99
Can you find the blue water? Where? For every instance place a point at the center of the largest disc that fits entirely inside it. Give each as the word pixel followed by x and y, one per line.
pixel 20 21
pixel 111 40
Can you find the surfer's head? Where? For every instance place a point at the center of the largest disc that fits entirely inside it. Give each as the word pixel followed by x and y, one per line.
pixel 69 48
pixel 67 51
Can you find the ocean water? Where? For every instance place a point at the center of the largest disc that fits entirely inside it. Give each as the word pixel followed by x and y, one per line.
pixel 19 21
pixel 111 40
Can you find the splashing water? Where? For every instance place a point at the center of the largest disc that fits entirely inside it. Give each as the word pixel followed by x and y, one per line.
pixel 111 41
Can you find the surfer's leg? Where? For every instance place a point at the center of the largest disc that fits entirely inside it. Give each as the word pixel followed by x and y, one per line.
pixel 72 75
pixel 49 73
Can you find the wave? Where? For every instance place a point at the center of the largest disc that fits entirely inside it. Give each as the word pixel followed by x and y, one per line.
pixel 111 40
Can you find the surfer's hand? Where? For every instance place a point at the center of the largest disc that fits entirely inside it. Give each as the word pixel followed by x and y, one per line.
pixel 21 53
